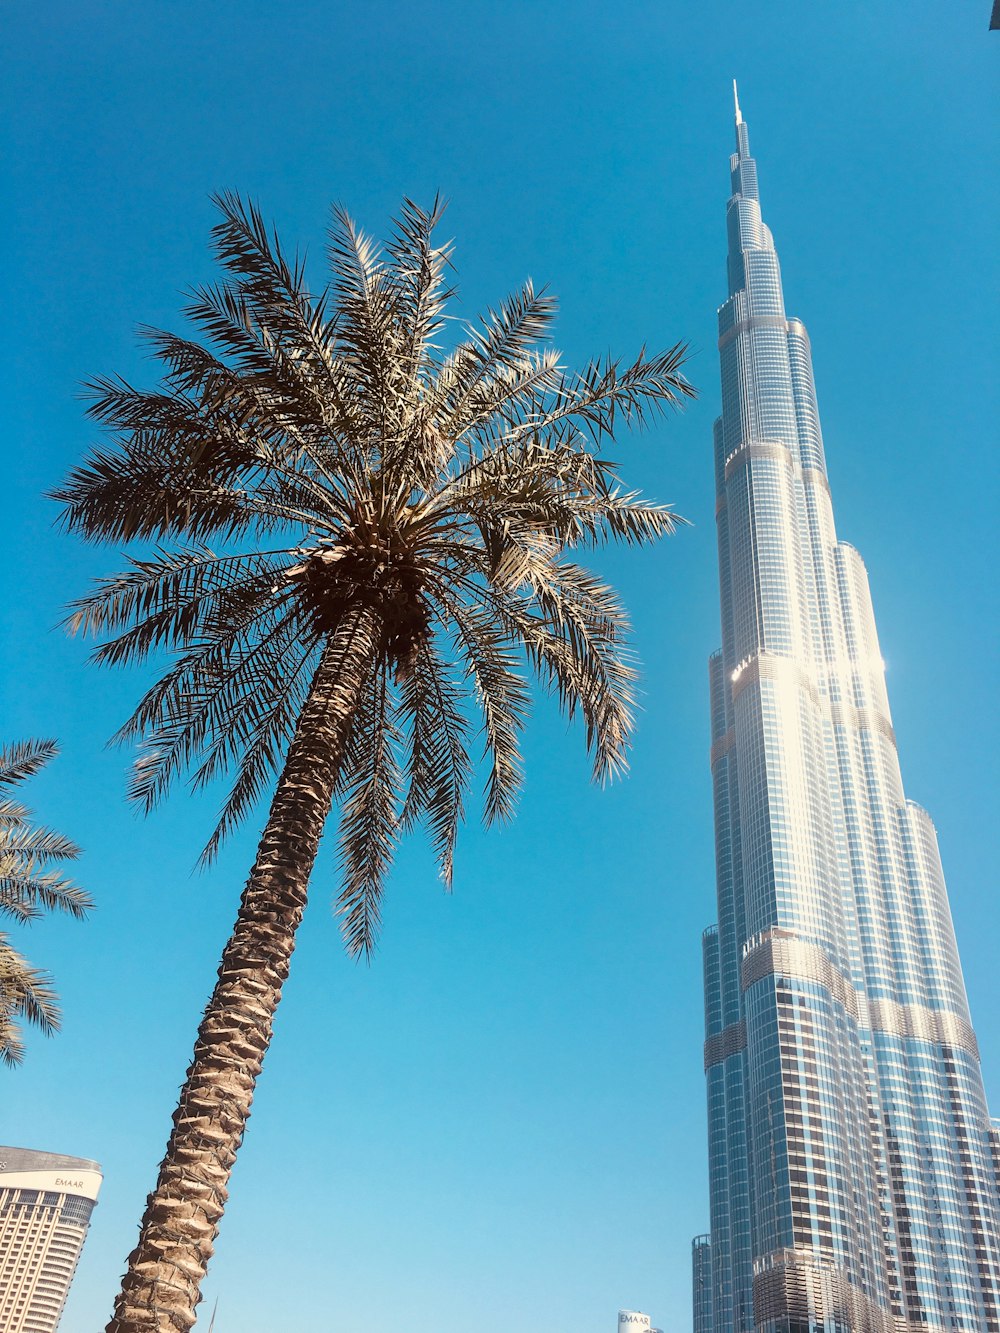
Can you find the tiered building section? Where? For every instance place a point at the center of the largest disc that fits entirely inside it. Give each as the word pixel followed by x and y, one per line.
pixel 853 1179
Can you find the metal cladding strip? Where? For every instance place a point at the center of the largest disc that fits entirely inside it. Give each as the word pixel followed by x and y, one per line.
pixel 778 955
pixel 775 955
pixel 939 1026
pixel 722 746
pixel 809 476
pixel 753 322
pixel 812 476
pixel 721 1045
pixel 751 449
pixel 767 666
pixel 793 1286
pixel 863 719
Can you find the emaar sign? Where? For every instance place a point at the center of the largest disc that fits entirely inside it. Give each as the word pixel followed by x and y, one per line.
pixel 630 1321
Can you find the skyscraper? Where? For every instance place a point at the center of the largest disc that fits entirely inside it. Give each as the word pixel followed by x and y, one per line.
pixel 45 1206
pixel 853 1174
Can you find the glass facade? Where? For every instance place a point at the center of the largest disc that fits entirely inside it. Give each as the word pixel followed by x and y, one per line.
pixel 853 1164
pixel 701 1280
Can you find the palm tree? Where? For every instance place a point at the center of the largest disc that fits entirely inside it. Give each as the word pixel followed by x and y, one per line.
pixel 351 543
pixel 29 886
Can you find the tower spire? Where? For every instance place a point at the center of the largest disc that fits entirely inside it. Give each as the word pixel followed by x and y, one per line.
pixel 736 103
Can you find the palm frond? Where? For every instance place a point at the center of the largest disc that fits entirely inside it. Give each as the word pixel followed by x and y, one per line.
pixel 250 251
pixel 211 702
pixel 369 819
pixel 583 665
pixel 368 327
pixel 24 759
pixel 420 296
pixel 605 392
pixel 28 887
pixel 500 361
pixel 503 698
pixel 24 993
pixel 26 894
pixel 439 768
pixel 272 718
pixel 41 845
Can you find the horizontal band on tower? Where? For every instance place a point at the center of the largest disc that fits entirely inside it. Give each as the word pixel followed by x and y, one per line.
pixel 751 449
pixel 801 1288
pixel 939 1026
pixel 813 476
pixel 721 1045
pixel 721 746
pixel 752 322
pixel 862 719
pixel 769 666
pixel 778 953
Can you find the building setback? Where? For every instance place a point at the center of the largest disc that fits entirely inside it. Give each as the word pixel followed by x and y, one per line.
pixel 45 1205
pixel 853 1175
pixel 701 1282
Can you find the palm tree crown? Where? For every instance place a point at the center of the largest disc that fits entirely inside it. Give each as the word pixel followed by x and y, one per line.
pixel 29 886
pixel 352 543
pixel 327 481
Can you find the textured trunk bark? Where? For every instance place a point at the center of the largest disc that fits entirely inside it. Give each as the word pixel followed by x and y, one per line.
pixel 161 1287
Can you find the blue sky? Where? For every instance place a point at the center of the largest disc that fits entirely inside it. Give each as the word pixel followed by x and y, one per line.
pixel 501 1121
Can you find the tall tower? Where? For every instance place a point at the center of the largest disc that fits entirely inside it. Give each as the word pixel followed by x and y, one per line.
pixel 853 1180
pixel 45 1206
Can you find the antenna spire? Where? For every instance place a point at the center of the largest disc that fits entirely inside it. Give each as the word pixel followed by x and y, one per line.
pixel 736 102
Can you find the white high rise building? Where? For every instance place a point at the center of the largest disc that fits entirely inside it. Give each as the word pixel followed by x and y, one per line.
pixel 631 1321
pixel 45 1205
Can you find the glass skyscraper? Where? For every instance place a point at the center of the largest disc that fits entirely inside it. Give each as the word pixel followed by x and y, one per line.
pixel 853 1166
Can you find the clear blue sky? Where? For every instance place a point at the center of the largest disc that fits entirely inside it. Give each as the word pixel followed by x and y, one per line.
pixel 500 1124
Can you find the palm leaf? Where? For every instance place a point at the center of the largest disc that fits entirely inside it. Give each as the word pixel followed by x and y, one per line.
pixel 29 887
pixel 369 819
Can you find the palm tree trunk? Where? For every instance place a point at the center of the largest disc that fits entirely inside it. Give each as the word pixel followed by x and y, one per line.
pixel 161 1287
